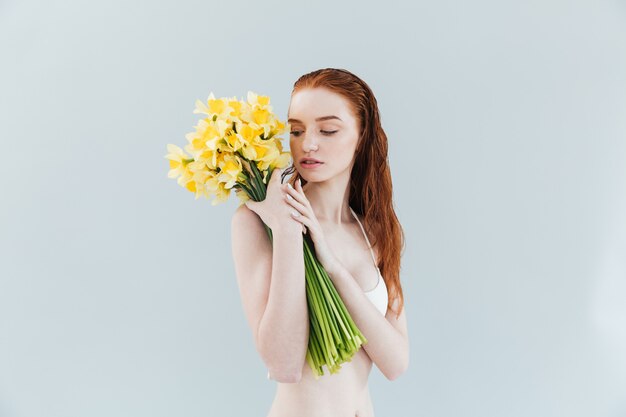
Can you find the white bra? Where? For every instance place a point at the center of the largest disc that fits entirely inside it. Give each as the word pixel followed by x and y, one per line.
pixel 377 295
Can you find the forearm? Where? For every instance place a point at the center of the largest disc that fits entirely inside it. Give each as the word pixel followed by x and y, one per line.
pixel 386 346
pixel 284 327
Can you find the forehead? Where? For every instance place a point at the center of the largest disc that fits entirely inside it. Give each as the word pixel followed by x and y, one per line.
pixel 310 103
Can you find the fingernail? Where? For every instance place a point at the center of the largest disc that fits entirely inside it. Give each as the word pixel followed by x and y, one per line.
pixel 295 213
pixel 289 185
pixel 299 182
pixel 289 197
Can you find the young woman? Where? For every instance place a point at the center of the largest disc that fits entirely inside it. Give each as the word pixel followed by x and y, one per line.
pixel 344 201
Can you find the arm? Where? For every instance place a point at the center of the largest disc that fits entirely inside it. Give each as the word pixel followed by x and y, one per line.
pixel 272 288
pixel 387 338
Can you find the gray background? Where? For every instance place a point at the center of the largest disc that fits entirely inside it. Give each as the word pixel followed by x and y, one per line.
pixel 506 125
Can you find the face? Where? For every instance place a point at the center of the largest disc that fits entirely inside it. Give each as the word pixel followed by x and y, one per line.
pixel 323 127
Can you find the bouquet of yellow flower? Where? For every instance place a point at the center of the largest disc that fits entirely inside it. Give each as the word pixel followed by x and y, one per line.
pixel 237 146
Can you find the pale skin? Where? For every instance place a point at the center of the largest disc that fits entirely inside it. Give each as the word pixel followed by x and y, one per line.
pixel 273 287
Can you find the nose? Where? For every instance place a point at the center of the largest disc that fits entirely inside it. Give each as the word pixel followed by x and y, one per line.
pixel 309 143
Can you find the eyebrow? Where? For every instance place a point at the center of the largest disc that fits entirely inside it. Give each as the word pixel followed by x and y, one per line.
pixel 319 119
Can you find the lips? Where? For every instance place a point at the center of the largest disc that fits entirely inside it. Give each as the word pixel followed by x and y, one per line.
pixel 310 163
pixel 306 160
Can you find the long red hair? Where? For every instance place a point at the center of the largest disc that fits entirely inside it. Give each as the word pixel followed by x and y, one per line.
pixel 371 190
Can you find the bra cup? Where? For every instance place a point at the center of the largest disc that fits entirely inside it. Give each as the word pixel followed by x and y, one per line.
pixel 379 295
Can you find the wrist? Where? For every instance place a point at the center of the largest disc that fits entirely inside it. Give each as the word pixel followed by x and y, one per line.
pixel 294 229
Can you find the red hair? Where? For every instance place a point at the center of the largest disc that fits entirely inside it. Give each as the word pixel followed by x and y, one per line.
pixel 371 188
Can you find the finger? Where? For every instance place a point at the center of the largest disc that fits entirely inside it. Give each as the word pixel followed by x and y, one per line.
pixel 302 219
pixel 300 191
pixel 299 185
pixel 296 204
pixel 297 195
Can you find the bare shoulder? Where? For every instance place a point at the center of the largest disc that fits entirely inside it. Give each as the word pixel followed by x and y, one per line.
pixel 245 218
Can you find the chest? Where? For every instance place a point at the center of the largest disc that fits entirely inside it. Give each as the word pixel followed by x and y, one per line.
pixel 350 248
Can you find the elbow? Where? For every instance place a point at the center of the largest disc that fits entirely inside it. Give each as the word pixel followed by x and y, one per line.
pixel 281 370
pixel 286 377
pixel 395 373
pixel 284 372
pixel 281 366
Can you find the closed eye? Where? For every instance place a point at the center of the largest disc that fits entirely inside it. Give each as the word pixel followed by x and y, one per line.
pixel 297 133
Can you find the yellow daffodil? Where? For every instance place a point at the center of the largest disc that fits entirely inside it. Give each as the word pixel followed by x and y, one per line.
pixel 230 168
pixel 218 108
pixel 216 188
pixel 236 106
pixel 178 161
pixel 257 100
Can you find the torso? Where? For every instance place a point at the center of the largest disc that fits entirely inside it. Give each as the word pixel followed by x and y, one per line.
pixel 346 393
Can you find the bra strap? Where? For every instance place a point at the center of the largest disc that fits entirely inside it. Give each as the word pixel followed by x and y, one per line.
pixel 364 234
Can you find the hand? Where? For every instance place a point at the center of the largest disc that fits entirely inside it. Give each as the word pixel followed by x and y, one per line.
pixel 274 211
pixel 305 215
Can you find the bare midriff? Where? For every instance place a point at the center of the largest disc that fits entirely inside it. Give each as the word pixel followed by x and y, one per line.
pixel 344 394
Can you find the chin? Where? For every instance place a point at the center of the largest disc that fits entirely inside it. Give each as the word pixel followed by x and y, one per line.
pixel 313 175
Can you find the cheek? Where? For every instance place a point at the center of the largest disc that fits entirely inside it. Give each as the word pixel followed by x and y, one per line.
pixel 341 154
pixel 293 146
pixel 347 146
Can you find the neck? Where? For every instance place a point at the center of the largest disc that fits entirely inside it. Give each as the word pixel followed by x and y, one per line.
pixel 330 199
